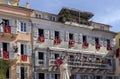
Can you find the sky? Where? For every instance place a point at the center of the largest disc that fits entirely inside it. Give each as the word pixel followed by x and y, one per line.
pixel 105 11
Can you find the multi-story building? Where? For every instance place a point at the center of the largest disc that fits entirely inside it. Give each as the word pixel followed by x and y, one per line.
pixel 117 55
pixel 34 40
pixel 15 40
pixel 89 45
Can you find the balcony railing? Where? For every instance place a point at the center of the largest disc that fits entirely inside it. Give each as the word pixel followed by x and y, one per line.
pixel 81 64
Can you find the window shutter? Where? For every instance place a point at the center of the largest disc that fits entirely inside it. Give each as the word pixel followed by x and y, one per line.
pixel 112 42
pixel 52 76
pixel 46 34
pixel 52 36
pixel 101 41
pixel 67 36
pixel 88 39
pixel 29 50
pixel 26 72
pixel 105 43
pixel 80 38
pixel 1 26
pixel 19 48
pixel 36 58
pixel 18 72
pixel 18 25
pixel 25 49
pixel 12 22
pixel 93 40
pixel 76 37
pixel 62 35
pixel 36 33
pixel 28 27
pixel 1 50
pixel 11 51
pixel 13 30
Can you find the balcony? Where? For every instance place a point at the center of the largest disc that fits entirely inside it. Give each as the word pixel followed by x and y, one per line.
pixel 8 33
pixel 7 55
pixel 81 64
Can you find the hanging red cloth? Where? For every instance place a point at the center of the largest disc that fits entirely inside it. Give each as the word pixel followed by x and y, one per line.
pixel 58 62
pixel 7 29
pixel 57 41
pixel 5 55
pixel 85 45
pixel 117 52
pixel 109 48
pixel 24 57
pixel 71 42
pixel 41 39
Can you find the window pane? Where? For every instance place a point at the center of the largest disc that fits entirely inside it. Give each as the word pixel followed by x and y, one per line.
pixel 21 26
pixel 24 27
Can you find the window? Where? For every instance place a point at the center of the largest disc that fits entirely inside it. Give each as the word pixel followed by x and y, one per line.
pixel 84 76
pixel 96 41
pixel 108 42
pixel 56 56
pixel 40 55
pixel 102 27
pixel 84 39
pixel 41 76
pixel 5 46
pixel 57 34
pixel 5 22
pixel 57 76
pixel 23 27
pixel 24 73
pixel 41 32
pixel 98 77
pixel 52 18
pixel 119 42
pixel 8 74
pixel 71 36
pixel 37 15
pixel 23 49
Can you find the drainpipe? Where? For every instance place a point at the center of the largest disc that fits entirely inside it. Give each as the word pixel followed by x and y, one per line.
pixel 32 55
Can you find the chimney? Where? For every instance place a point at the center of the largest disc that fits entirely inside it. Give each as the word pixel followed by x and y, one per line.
pixel 27 5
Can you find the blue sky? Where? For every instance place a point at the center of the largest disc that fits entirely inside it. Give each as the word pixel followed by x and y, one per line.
pixel 105 11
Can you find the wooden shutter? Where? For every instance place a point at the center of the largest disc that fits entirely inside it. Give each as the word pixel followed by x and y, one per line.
pixel 36 58
pixel 29 49
pixel 75 37
pixel 105 43
pixel 112 42
pixel 88 39
pixel 35 33
pixel 52 35
pixel 93 40
pixel 18 25
pixel 67 36
pixel 26 72
pixel 101 41
pixel 62 35
pixel 1 26
pixel 46 34
pixel 19 48
pixel 11 51
pixel 28 27
pixel 80 38
pixel 12 22
pixel 1 50
pixel 18 72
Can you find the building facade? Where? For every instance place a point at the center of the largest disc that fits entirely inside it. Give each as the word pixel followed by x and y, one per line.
pixel 34 42
pixel 15 41
pixel 89 45
pixel 117 56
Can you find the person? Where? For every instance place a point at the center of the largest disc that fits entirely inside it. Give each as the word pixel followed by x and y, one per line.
pixel 64 70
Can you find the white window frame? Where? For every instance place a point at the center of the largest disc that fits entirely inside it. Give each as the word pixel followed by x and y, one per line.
pixel 24 27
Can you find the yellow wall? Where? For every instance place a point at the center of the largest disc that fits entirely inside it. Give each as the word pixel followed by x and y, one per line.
pixel 117 72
